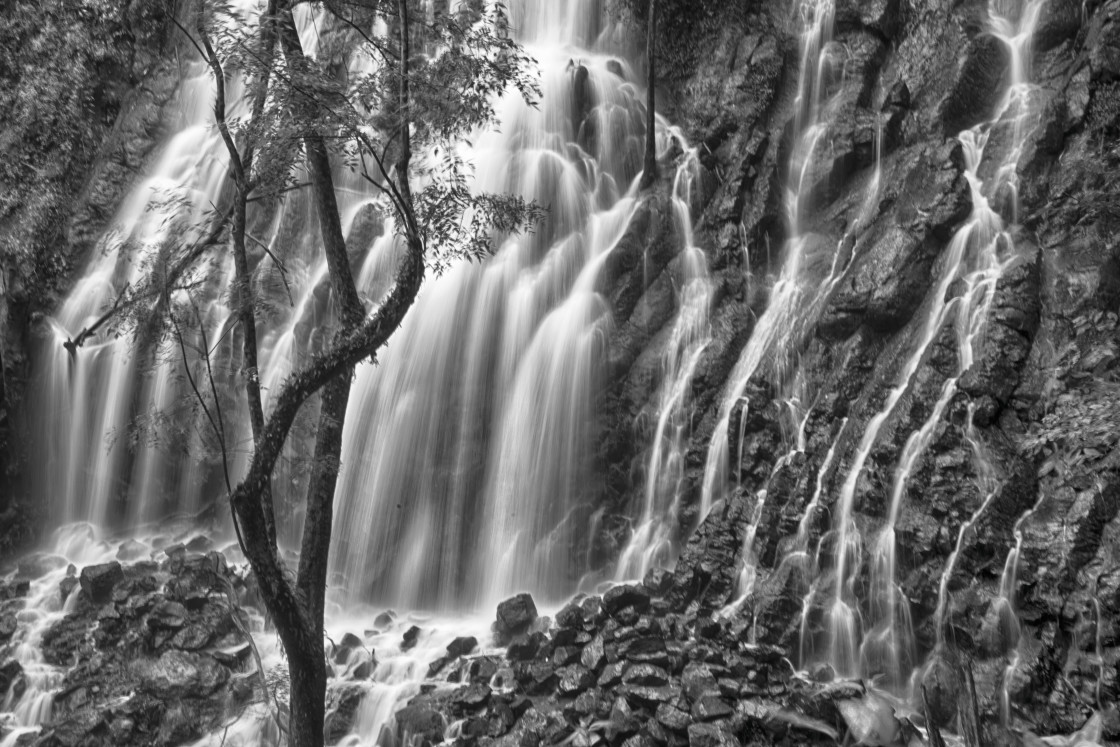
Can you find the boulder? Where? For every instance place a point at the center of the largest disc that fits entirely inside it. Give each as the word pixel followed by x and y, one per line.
pixel 11 671
pixel 419 724
pixel 98 581
pixel 408 641
pixel 167 615
pixel 342 707
pixel 621 597
pixel 180 674
pixel 462 646
pixel 515 616
pixel 659 581
pixel 711 735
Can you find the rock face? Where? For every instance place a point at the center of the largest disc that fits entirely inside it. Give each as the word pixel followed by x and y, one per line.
pixel 1024 452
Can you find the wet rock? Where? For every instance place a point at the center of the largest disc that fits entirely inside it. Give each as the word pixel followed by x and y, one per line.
pixel 473 696
pixel 612 674
pixel 192 637
pixel 711 735
pixel 571 616
pixel 167 615
pixel 419 724
pixel 8 627
pixel 131 550
pixel 659 581
pixel 411 636
pixel 342 708
pixel 11 671
pixel 14 590
pixel 564 655
pixel 673 718
pixel 710 708
pixel 621 597
pixel 594 656
pixel 384 621
pixel 645 674
pixel 37 565
pixel 542 677
pixel 650 696
pixel 483 668
pixel 574 679
pixel 66 586
pixel 698 680
pixel 983 73
pixel 515 616
pixel 645 650
pixel 462 646
pixel 98 581
pixel 181 674
pixel 940 684
pixel 527 647
pixel 501 720
pixel 871 720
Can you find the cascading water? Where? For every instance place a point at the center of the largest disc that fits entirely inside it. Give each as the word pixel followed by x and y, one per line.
pixel 466 448
pixel 784 320
pixel 652 541
pixel 466 452
pixel 978 255
pixel 465 479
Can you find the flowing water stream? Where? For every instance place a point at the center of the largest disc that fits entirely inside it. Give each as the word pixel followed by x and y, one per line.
pixel 978 254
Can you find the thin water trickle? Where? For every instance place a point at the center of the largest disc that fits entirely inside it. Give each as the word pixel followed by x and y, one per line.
pixel 978 254
pixel 653 541
pixel 796 297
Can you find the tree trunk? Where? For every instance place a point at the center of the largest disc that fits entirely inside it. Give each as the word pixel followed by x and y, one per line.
pixel 649 170
pixel 307 674
pixel 298 611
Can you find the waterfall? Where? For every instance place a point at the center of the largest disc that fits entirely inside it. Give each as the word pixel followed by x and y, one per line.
pixel 467 448
pixel 978 254
pixel 653 541
pixel 796 296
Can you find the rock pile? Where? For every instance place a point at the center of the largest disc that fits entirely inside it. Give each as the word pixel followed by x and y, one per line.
pixel 154 653
pixel 625 669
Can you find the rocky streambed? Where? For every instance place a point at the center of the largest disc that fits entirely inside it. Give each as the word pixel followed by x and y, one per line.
pixel 155 649
pixel 128 653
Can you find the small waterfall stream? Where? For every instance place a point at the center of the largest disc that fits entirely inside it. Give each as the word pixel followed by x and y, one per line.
pixel 977 255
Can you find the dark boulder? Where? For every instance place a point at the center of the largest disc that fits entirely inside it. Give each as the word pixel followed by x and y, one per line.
pixel 462 646
pixel 515 616
pixel 9 673
pixel 982 75
pixel 98 581
pixel 419 724
pixel 342 708
pixel 621 597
